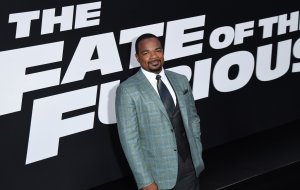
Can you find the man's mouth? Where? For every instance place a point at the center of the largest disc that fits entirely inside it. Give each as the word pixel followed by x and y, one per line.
pixel 154 62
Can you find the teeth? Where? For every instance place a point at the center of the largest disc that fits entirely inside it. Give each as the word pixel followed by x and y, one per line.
pixel 154 62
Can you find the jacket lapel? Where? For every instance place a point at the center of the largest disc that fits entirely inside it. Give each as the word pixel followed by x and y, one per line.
pixel 148 92
pixel 179 94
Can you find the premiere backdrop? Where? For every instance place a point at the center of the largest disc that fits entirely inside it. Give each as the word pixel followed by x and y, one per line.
pixel 60 63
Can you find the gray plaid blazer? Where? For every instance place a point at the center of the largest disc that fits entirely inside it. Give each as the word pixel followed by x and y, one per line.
pixel 145 129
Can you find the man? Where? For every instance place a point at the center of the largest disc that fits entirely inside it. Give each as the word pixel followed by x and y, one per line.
pixel 158 123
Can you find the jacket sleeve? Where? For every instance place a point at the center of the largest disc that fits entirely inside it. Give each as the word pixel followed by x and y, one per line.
pixel 194 116
pixel 128 129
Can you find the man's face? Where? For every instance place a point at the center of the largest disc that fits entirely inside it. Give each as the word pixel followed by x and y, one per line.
pixel 150 55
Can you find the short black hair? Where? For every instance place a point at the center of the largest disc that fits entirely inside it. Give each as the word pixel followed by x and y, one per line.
pixel 143 37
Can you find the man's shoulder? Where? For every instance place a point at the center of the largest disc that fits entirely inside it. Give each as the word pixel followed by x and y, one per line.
pixel 130 81
pixel 175 75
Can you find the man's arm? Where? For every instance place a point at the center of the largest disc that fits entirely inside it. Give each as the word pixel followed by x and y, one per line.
pixel 194 115
pixel 127 120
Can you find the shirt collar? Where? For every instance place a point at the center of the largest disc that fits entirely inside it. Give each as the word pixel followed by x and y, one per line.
pixel 152 76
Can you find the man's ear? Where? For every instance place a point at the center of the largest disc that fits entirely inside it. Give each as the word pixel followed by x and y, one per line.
pixel 137 57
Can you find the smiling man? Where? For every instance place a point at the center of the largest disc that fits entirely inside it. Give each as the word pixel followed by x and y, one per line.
pixel 158 124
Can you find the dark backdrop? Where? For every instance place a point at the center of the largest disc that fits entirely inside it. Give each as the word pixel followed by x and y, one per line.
pixel 93 157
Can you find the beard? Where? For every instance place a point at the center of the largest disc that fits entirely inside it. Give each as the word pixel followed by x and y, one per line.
pixel 155 69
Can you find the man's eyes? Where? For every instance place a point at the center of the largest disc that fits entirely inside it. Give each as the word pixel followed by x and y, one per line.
pixel 146 52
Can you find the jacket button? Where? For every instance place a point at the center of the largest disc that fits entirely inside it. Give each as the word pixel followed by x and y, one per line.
pixel 175 150
pixel 172 130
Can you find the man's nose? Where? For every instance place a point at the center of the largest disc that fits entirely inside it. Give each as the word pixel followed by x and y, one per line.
pixel 153 55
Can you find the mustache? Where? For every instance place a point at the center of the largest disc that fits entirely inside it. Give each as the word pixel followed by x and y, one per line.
pixel 154 60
